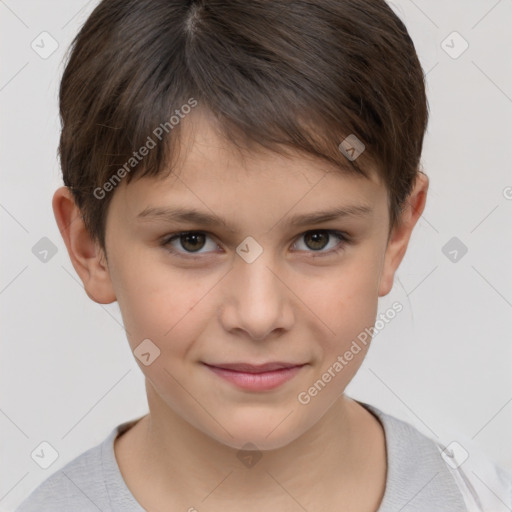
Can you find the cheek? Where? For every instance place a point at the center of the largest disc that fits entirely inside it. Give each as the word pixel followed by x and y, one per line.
pixel 346 308
pixel 160 304
pixel 345 299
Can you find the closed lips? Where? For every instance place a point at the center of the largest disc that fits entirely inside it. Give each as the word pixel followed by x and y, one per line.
pixel 250 368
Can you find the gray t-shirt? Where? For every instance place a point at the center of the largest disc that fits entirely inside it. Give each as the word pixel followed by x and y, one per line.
pixel 419 478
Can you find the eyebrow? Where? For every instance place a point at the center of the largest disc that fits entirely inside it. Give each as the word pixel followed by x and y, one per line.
pixel 179 214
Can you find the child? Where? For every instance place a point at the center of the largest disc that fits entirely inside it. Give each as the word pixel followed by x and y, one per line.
pixel 260 128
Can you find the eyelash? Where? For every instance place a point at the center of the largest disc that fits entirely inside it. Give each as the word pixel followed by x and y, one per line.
pixel 344 240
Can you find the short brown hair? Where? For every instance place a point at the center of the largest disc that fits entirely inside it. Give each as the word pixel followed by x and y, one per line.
pixel 301 74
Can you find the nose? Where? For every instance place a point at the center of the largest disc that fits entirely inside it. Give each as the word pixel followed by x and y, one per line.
pixel 257 299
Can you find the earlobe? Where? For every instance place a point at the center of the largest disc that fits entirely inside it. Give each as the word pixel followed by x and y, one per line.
pixel 86 255
pixel 401 234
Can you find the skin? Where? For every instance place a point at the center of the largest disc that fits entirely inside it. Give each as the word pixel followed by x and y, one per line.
pixel 285 306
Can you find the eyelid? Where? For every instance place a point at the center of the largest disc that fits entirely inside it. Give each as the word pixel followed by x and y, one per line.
pixel 344 237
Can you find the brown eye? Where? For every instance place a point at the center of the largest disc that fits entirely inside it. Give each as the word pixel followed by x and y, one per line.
pixel 192 241
pixel 316 240
pixel 189 243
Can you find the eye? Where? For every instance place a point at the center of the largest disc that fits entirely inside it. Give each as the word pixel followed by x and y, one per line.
pixel 191 241
pixel 319 239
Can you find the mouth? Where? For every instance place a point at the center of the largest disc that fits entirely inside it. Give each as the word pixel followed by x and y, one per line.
pixel 254 368
pixel 261 377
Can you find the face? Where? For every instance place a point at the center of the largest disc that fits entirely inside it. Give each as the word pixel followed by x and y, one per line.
pixel 261 285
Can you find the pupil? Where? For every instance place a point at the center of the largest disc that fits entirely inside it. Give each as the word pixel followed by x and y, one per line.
pixel 194 237
pixel 316 237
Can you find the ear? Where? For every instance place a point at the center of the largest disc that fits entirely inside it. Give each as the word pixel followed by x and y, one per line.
pixel 88 259
pixel 399 238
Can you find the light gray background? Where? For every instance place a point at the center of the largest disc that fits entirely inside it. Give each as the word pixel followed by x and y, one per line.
pixel 444 364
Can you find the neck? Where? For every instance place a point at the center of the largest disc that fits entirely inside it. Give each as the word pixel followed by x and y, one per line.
pixel 337 455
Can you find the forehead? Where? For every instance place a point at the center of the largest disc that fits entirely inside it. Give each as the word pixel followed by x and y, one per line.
pixel 212 173
pixel 204 139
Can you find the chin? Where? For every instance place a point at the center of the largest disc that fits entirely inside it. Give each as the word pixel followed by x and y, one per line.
pixel 261 435
pixel 252 442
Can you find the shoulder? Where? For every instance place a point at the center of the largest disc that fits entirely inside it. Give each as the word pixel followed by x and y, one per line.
pixel 431 474
pixel 483 484
pixel 80 485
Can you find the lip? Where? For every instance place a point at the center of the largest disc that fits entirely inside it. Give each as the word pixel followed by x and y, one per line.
pixel 254 368
pixel 256 377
